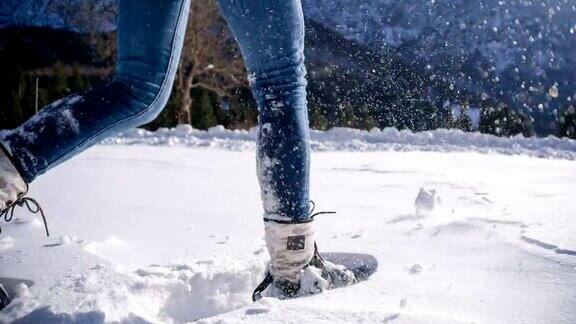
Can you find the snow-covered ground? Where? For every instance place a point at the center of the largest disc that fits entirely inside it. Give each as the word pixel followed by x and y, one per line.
pixel 173 233
pixel 346 139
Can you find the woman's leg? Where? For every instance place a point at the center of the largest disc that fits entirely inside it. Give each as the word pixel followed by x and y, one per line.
pixel 271 36
pixel 150 37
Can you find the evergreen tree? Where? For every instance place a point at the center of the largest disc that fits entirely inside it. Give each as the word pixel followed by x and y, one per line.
pixel 78 82
pixel 345 114
pixel 366 117
pixel 203 116
pixel 424 115
pixel 464 122
pixel 502 120
pixel 19 99
pixel 317 116
pixel 59 84
pixel 566 122
pixel 445 117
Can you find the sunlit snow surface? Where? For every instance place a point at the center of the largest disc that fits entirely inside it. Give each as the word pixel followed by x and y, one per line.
pixel 174 233
pixel 346 139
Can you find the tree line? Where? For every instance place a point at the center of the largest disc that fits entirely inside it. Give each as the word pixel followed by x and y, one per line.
pixel 349 86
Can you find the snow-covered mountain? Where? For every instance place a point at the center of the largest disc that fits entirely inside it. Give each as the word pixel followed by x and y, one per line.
pixel 49 13
pixel 517 50
pixel 514 51
pixel 30 13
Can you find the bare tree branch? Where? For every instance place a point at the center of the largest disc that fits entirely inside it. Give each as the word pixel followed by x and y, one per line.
pixel 210 58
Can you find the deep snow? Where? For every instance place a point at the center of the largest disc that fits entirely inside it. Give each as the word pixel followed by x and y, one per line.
pixel 173 233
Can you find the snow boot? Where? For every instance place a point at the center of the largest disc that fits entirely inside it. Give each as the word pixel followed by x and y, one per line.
pixel 296 268
pixel 4 298
pixel 13 190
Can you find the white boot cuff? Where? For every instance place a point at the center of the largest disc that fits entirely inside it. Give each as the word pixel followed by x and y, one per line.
pixel 291 247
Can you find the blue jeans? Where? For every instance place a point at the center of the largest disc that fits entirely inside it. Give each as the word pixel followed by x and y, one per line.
pixel 150 37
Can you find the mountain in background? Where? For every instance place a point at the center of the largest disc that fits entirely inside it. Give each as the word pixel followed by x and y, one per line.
pixel 513 51
pixel 30 13
pixel 53 13
pixel 517 51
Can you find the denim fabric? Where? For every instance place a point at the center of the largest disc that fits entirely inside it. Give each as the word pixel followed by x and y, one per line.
pixel 150 36
pixel 271 36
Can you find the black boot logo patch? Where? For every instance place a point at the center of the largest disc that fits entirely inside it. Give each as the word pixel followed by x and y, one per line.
pixel 296 242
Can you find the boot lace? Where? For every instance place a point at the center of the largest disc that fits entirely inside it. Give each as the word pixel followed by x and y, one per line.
pixel 33 206
pixel 314 214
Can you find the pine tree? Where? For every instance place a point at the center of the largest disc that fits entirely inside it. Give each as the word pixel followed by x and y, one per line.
pixel 59 85
pixel 203 117
pixel 566 122
pixel 500 119
pixel 78 82
pixel 317 117
pixel 464 122
pixel 19 99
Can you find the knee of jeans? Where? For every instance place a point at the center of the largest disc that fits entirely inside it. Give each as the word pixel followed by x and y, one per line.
pixel 278 76
pixel 148 99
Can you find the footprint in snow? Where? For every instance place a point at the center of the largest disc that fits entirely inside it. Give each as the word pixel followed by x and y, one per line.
pixel 259 251
pixel 415 269
pixel 403 302
pixel 226 240
pixel 256 311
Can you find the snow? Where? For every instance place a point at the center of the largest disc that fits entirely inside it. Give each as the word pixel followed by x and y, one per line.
pixel 172 232
pixel 347 139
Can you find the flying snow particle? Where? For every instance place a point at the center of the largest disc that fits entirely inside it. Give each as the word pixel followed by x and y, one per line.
pixel 65 240
pixel 426 201
pixel 553 92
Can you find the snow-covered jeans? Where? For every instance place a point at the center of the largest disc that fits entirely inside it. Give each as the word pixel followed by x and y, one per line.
pixel 150 37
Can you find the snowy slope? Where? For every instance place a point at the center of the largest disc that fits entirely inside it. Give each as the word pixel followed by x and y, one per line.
pixel 514 51
pixel 531 39
pixel 172 233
